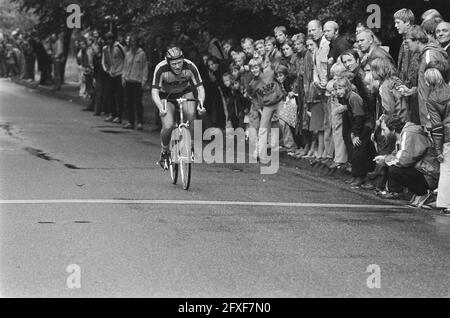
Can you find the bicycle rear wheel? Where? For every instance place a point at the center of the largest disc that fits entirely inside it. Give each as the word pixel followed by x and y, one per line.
pixel 184 157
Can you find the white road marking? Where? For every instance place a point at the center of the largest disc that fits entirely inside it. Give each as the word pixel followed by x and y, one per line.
pixel 193 202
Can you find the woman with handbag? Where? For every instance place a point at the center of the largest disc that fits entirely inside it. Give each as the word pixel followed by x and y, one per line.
pixel 287 113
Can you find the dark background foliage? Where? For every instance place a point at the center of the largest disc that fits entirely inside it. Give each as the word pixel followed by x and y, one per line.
pixel 224 18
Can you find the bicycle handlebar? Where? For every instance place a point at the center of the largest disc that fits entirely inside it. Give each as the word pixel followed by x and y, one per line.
pixel 182 100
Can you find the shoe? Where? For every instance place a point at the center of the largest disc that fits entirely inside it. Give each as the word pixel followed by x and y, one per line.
pixel 350 181
pixel 348 168
pixel 117 120
pixel 334 165
pixel 164 160
pixel 445 212
pixel 413 199
pixel 388 195
pixel 128 126
pixel 421 200
pixel 97 114
pixel 109 119
pixel 373 175
pixel 88 109
pixel 299 153
pixel 358 182
pixel 140 127
pixel 368 186
pixel 316 161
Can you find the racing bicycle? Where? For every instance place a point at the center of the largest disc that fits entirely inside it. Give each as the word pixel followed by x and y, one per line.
pixel 181 153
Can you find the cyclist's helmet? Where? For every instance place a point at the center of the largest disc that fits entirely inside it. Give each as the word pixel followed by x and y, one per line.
pixel 174 53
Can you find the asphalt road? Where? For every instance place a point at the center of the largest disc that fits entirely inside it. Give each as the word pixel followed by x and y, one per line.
pixel 78 191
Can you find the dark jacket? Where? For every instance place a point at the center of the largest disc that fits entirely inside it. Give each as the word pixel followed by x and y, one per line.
pixel 265 89
pixel 376 52
pixel 438 106
pixel 431 52
pixel 338 46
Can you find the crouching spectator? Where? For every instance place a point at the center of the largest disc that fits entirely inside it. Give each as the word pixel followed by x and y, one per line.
pixel 414 164
pixel 356 130
pixel 438 106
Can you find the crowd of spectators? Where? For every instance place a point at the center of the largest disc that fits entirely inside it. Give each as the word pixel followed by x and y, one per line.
pixel 343 104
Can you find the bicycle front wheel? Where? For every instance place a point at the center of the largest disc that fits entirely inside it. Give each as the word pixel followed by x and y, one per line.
pixel 173 167
pixel 173 160
pixel 184 157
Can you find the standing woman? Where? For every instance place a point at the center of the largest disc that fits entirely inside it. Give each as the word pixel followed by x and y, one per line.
pixel 314 105
pixel 392 102
pixel 302 129
pixel 134 77
pixel 438 106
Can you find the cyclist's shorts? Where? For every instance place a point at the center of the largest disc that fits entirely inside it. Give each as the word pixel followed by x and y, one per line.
pixel 164 95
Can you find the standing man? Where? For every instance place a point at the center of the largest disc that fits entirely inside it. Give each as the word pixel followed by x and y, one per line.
pixel 369 48
pixel 58 59
pixel 338 45
pixel 185 43
pixel 417 41
pixel 157 55
pixel 408 61
pixel 113 58
pixel 443 37
pixel 134 77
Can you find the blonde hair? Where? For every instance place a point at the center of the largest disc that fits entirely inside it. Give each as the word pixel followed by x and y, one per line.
pixel 433 77
pixel 343 82
pixel 258 61
pixel 337 69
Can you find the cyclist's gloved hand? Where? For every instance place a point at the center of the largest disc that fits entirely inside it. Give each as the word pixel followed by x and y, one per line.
pixel 162 112
pixel 201 110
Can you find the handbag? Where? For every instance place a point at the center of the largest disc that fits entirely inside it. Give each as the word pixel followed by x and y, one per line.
pixel 288 112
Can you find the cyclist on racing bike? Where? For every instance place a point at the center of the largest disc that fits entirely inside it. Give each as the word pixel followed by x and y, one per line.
pixel 176 77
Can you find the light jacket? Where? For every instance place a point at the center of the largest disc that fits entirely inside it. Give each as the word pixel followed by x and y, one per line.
pixel 113 58
pixel 416 150
pixel 135 68
pixel 321 62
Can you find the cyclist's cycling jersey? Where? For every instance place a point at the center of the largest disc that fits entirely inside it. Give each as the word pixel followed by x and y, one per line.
pixel 171 84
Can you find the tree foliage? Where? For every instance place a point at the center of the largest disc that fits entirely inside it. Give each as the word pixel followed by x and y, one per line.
pixel 11 17
pixel 221 16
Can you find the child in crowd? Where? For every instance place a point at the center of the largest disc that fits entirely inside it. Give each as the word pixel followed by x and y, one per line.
pixel 286 135
pixel 340 159
pixel 267 94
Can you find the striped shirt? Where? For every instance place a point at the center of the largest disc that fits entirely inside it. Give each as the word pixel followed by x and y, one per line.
pixel 168 82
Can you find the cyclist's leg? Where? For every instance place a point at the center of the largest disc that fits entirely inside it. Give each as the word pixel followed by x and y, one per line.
pixel 190 114
pixel 168 123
